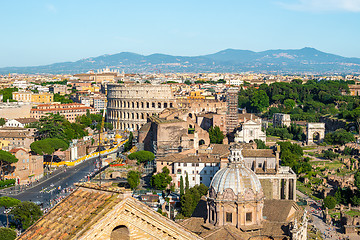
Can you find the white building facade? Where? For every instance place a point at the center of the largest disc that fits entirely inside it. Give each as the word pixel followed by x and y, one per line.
pixel 250 131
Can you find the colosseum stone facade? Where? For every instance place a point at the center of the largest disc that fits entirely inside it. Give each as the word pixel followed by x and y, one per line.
pixel 133 103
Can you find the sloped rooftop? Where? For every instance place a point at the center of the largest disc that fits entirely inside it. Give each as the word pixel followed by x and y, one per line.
pixel 72 214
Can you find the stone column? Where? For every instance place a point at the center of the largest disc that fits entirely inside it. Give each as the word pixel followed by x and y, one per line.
pixel 218 215
pixel 294 189
pixel 286 189
pixel 279 188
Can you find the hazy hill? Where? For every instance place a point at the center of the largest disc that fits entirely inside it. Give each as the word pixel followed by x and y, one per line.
pixel 305 60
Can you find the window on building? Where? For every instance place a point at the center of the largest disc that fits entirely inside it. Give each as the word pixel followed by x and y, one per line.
pixel 259 165
pixel 200 178
pixel 185 164
pixel 228 217
pixel 197 164
pixel 193 178
pixel 193 164
pixel 179 171
pixel 249 217
pixel 204 171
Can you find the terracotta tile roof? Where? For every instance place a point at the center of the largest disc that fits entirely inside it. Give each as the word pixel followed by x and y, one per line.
pixel 15 150
pixel 12 132
pixel 60 109
pixel 269 153
pixel 225 232
pixel 69 216
pixel 180 158
pixel 26 120
pixel 88 211
pixel 272 213
pixel 194 224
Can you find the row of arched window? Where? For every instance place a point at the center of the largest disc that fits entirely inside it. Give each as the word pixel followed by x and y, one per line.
pixel 125 126
pixel 132 105
pixel 124 115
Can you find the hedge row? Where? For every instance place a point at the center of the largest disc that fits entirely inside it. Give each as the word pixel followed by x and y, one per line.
pixel 7 183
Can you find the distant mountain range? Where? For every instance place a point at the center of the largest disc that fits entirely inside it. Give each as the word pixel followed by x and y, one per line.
pixel 298 61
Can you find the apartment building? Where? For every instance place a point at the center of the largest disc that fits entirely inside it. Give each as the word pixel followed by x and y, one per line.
pixel 28 169
pixel 70 111
pixel 16 137
pixel 27 96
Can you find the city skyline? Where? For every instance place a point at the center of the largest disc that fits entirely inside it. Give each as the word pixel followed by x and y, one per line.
pixel 45 32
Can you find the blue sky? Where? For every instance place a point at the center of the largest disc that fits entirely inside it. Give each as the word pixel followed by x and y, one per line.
pixel 41 32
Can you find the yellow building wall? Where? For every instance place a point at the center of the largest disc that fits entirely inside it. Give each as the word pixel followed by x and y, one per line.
pixel 42 97
pixel 4 144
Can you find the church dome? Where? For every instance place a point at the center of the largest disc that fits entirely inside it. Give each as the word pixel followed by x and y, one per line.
pixel 236 176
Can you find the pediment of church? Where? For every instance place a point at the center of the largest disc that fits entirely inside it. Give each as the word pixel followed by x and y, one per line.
pixel 100 213
pixel 140 222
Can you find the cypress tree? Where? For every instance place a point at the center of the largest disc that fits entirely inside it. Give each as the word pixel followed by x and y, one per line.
pixel 181 186
pixel 186 182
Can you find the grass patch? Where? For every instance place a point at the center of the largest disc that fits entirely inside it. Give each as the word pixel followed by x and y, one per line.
pixel 309 148
pixel 328 164
pixel 306 190
pixel 353 213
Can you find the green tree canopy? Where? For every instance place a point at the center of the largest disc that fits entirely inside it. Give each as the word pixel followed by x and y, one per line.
pixel 133 178
pixel 330 202
pixel 357 180
pixel 129 144
pixel 7 94
pixel 340 136
pixel 8 202
pixel 260 100
pixel 48 146
pixel 25 214
pixel 7 233
pixel 191 198
pixel 2 121
pixel 161 180
pixel 6 159
pixel 216 135
pixel 260 144
pixel 142 156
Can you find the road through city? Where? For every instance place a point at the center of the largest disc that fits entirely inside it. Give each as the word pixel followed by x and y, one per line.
pixel 49 189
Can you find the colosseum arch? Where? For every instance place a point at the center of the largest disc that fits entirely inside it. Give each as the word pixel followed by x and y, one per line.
pixel 317 130
pixel 137 115
pixel 165 105
pixel 137 104
pixel 120 232
pixel 132 116
pixel 142 104
pixel 159 104
pixel 147 105
pixel 133 105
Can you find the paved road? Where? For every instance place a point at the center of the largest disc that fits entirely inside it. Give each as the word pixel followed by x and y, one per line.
pixel 42 192
pixel 327 231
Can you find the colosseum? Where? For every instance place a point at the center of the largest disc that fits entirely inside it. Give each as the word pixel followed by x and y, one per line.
pixel 133 103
